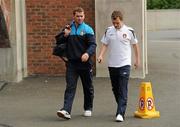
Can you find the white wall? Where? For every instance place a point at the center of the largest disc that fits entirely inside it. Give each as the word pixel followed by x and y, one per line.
pixel 13 62
pixel 134 16
pixel 163 19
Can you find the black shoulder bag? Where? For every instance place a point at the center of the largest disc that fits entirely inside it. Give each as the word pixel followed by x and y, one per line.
pixel 60 49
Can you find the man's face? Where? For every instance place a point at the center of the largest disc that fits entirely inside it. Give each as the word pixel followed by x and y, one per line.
pixel 79 17
pixel 117 23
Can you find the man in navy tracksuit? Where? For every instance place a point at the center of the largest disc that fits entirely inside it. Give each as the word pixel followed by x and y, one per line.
pixel 80 47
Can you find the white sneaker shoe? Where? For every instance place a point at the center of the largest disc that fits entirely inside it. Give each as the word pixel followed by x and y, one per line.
pixel 119 118
pixel 63 114
pixel 87 113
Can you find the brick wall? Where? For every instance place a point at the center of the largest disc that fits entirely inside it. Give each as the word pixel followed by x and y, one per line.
pixel 44 19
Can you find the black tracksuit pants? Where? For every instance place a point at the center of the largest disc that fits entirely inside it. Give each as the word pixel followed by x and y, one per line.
pixel 119 80
pixel 72 74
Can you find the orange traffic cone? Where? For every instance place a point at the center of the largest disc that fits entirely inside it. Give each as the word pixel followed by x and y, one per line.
pixel 146 107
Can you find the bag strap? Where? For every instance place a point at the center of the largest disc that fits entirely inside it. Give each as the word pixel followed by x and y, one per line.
pixel 64 59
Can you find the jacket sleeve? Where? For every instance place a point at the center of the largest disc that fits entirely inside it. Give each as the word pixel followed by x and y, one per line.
pixel 91 44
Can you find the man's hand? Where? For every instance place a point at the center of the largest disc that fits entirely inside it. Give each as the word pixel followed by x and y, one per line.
pixel 137 64
pixel 100 59
pixel 85 57
pixel 67 30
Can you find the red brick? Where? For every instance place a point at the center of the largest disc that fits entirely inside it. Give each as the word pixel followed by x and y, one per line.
pixel 44 19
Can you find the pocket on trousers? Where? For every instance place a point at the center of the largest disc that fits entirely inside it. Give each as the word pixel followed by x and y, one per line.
pixel 125 72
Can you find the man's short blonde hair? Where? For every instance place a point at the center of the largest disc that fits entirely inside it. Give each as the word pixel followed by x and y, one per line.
pixel 116 14
pixel 78 9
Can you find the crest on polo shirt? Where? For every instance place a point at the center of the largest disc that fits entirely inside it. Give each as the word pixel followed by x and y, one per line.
pixel 82 33
pixel 124 35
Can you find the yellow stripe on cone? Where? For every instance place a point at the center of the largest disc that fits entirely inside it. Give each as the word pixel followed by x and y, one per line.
pixel 146 108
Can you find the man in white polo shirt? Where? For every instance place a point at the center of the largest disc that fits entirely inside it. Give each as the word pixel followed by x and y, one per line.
pixel 118 39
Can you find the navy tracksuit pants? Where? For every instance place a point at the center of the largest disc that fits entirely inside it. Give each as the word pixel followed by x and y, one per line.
pixel 72 74
pixel 119 80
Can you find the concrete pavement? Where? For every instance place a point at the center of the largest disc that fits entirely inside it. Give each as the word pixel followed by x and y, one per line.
pixel 34 101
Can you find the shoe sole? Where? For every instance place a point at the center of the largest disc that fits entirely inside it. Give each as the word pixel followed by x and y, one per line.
pixel 119 120
pixel 87 115
pixel 62 116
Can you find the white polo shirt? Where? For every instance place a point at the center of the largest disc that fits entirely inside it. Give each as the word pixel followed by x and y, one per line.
pixel 119 45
